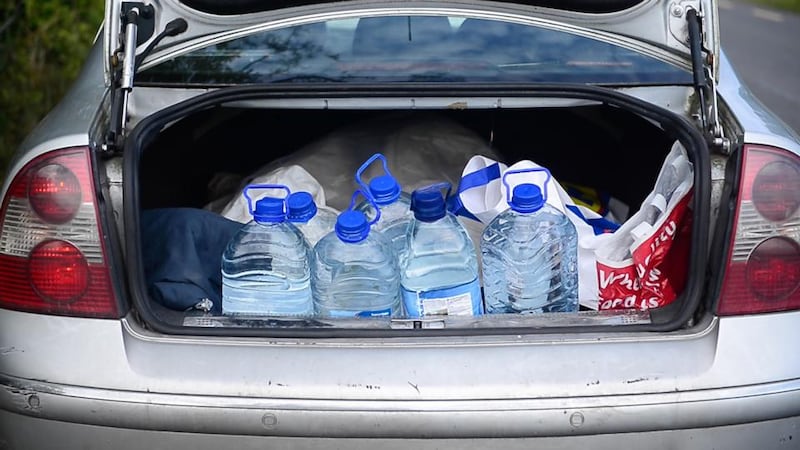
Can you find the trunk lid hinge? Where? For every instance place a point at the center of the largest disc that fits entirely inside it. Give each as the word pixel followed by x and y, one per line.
pixel 123 64
pixel 705 85
pixel 137 27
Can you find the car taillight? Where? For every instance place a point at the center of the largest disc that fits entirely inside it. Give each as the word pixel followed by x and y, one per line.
pixel 54 193
pixel 763 269
pixel 52 257
pixel 59 272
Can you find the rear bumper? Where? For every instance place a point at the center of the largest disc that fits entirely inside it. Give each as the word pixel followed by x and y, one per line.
pixel 321 419
pixel 41 434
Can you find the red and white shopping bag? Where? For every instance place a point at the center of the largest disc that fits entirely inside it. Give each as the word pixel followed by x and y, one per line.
pixel 643 264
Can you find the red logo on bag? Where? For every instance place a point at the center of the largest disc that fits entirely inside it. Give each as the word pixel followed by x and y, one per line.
pixel 656 273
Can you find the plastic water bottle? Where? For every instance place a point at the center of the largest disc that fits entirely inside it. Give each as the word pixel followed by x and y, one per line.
pixel 439 275
pixel 530 254
pixel 312 221
pixel 354 272
pixel 266 265
pixel 394 204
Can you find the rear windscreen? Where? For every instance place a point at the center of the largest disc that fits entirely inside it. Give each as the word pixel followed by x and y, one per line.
pixel 433 48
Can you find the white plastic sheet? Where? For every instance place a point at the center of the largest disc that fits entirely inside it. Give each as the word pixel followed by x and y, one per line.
pixel 420 150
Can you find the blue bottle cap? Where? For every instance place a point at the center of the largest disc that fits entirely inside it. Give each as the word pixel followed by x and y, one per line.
pixel 384 189
pixel 301 207
pixel 527 198
pixel 352 226
pixel 269 210
pixel 428 205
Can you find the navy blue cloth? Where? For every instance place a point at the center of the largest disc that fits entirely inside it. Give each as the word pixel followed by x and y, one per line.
pixel 182 255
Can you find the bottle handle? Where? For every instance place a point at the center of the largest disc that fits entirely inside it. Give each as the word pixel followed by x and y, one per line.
pixel 364 167
pixel 371 202
pixel 250 207
pixel 528 170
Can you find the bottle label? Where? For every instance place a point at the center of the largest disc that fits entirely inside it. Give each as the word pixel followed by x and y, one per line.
pixel 343 313
pixel 463 300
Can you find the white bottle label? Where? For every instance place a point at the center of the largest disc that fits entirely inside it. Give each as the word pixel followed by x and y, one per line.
pixel 350 313
pixel 463 300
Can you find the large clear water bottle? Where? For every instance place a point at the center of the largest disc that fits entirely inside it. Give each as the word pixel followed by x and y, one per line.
pixel 314 222
pixel 530 254
pixel 354 272
pixel 394 204
pixel 439 274
pixel 266 265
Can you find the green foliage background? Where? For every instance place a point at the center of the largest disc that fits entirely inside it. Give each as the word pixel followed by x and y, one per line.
pixel 42 46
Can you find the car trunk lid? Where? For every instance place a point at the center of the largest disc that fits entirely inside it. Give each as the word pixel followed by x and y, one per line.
pixel 679 31
pixel 660 22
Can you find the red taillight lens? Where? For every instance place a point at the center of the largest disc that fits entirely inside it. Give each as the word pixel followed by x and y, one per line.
pixel 773 269
pixel 54 193
pixel 52 257
pixel 58 271
pixel 776 190
pixel 763 270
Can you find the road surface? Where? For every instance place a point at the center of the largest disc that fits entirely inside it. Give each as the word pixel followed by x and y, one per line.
pixel 764 47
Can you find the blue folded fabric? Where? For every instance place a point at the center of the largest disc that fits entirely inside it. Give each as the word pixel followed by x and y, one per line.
pixel 182 253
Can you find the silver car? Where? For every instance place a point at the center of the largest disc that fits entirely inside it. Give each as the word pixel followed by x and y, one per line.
pixel 180 101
